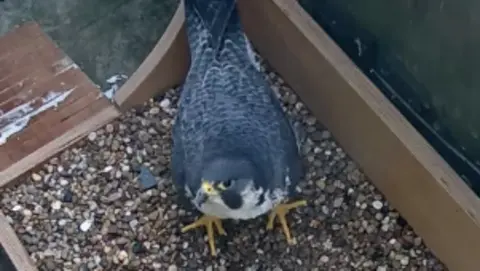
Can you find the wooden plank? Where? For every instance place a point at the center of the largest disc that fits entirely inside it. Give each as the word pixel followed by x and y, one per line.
pixel 14 248
pixel 69 80
pixel 15 40
pixel 413 177
pixel 30 73
pixel 23 79
pixel 39 49
pixel 35 134
pixel 164 68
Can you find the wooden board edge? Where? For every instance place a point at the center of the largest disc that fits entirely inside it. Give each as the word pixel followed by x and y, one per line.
pixel 10 175
pixel 14 248
pixel 402 165
pixel 165 67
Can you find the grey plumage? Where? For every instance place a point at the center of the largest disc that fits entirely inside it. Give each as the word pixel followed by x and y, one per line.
pixel 230 125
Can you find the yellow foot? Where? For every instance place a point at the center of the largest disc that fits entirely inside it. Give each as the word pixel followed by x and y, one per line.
pixel 208 222
pixel 281 211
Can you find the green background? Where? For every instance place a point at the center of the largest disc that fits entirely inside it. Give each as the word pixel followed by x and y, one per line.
pixel 431 49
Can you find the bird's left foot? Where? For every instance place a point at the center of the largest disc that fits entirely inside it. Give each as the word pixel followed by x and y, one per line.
pixel 281 211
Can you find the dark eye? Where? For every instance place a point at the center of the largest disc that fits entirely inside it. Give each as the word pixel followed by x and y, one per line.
pixel 227 183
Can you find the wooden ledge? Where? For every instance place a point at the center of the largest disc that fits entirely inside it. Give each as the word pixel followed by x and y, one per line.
pixel 46 102
pixel 14 248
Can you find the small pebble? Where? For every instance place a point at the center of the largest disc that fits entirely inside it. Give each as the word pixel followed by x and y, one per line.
pixel 107 169
pixel 138 248
pixel 56 205
pixel 146 179
pixel 27 213
pixel 122 256
pixel 36 177
pixel 109 128
pixel 338 202
pixel 63 182
pixel 378 205
pixel 67 196
pixel 165 104
pixel 404 261
pixel 86 225
pixel 92 136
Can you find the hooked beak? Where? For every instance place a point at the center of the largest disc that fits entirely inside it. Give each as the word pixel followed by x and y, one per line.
pixel 207 189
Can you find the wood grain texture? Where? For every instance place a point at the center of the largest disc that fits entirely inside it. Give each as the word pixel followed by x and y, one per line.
pixel 32 66
pixel 402 165
pixel 13 247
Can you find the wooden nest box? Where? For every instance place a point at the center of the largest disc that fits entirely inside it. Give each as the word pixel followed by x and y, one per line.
pixel 399 161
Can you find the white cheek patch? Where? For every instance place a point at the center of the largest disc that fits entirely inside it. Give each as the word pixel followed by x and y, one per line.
pixel 188 192
pixel 217 200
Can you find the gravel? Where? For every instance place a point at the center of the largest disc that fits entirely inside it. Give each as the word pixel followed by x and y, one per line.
pixel 86 209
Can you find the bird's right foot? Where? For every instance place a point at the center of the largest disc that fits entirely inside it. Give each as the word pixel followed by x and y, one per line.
pixel 208 222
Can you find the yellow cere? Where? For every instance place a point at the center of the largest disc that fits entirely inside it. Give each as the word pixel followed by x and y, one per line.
pixel 208 188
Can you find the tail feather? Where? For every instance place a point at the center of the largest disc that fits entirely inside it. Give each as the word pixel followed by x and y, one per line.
pixel 214 17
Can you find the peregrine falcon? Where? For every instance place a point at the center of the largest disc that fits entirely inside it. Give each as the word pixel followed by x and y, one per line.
pixel 235 152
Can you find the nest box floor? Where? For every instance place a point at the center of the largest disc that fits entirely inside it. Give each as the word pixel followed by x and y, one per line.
pixel 93 213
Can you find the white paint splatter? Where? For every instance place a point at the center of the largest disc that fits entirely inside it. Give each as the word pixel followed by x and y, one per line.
pixel 358 42
pixel 64 65
pixel 115 82
pixel 109 93
pixel 18 118
pixel 114 79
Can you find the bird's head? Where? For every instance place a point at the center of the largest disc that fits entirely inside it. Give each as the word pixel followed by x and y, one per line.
pixel 227 182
